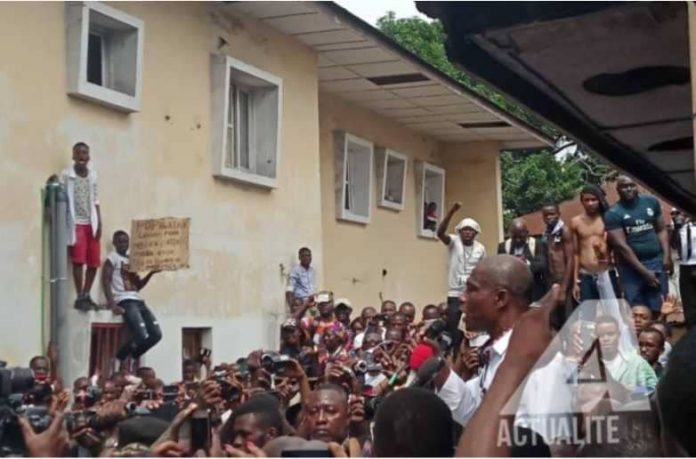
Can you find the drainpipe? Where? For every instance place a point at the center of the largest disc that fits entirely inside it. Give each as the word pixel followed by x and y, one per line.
pixel 58 205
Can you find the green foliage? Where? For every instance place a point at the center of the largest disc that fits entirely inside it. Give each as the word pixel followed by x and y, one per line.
pixel 426 39
pixel 530 178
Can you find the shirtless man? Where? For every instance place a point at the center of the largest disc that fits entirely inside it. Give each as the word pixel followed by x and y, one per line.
pixel 590 245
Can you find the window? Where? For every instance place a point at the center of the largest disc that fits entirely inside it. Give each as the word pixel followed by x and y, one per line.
pixel 391 176
pixel 353 157
pixel 104 55
pixel 246 131
pixel 431 194
pixel 105 342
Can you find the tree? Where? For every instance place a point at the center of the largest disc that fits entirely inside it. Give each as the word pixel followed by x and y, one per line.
pixel 530 178
pixel 426 39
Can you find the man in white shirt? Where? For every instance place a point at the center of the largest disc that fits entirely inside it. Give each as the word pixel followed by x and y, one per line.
pixel 465 252
pixel 496 295
pixel 121 288
pixel 687 270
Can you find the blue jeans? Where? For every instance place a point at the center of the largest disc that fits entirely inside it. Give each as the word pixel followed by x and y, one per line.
pixel 144 329
pixel 637 290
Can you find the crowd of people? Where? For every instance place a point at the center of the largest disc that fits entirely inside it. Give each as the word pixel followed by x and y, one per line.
pixel 511 346
pixel 382 383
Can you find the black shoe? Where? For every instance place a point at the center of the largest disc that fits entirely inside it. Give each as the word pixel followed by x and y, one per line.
pixel 90 302
pixel 81 304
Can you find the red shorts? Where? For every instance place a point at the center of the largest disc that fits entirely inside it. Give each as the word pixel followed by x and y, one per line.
pixel 86 249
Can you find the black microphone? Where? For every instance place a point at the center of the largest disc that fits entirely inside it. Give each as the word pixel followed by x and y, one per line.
pixel 427 372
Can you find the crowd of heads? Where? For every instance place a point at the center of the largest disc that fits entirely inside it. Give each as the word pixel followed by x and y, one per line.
pixel 326 384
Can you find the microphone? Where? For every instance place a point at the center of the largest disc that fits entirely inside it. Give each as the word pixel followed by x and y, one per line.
pixel 427 372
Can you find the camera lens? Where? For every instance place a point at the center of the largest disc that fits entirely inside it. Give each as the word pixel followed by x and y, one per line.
pixel 21 379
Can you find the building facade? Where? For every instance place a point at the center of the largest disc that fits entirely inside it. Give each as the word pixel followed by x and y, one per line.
pixel 271 125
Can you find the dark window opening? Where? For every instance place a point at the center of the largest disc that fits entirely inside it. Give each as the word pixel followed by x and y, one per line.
pixel 95 59
pixel 683 143
pixel 638 80
pixel 398 79
pixel 485 125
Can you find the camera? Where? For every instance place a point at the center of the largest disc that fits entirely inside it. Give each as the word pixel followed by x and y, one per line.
pixel 14 384
pixel 170 393
pixel 228 392
pixel 367 364
pixel 438 333
pixel 273 362
pixel 90 397
pixel 77 419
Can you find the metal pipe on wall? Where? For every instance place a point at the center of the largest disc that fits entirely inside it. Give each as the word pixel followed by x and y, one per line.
pixel 58 205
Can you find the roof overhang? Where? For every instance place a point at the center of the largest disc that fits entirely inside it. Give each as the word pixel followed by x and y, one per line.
pixel 614 76
pixel 361 65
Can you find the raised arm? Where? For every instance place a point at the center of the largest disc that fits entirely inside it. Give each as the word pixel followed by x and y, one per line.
pixel 444 224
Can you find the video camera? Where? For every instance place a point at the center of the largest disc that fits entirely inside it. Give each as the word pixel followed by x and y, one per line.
pixel 367 365
pixel 274 362
pixel 15 383
pixel 437 331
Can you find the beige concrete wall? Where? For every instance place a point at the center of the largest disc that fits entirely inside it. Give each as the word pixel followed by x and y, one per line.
pixel 473 171
pixel 355 255
pixel 156 163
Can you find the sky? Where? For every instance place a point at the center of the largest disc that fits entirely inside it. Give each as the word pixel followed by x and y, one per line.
pixel 371 10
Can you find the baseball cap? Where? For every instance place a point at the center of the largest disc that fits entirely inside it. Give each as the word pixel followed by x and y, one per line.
pixel 468 223
pixel 419 355
pixel 345 302
pixel 323 297
pixel 289 323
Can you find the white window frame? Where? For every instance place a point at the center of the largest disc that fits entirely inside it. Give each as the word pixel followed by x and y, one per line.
pixel 78 25
pixel 427 167
pixel 346 214
pixel 383 201
pixel 221 76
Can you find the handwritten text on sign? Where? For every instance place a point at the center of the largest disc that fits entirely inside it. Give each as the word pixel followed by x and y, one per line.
pixel 159 244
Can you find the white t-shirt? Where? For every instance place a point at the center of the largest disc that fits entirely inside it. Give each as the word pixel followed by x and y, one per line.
pixel 121 285
pixel 688 231
pixel 462 261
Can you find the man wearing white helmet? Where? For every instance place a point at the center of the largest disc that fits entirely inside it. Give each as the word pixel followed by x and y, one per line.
pixel 464 254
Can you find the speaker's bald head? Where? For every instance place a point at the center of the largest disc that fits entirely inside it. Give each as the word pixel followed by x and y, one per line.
pixel 509 273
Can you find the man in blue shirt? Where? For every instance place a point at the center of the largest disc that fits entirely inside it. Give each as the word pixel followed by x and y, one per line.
pixel 302 279
pixel 637 232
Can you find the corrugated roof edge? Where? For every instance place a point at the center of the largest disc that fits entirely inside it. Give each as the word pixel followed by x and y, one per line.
pixel 378 35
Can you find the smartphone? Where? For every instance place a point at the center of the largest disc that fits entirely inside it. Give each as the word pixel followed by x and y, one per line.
pixel 200 431
pixel 306 453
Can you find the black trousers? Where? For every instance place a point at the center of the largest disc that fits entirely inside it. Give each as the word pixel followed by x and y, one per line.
pixel 687 289
pixel 144 328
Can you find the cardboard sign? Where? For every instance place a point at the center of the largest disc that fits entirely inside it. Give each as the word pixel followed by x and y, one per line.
pixel 159 244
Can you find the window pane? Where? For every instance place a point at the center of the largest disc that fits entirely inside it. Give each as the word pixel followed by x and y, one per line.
pixel 229 148
pixel 393 191
pixel 244 126
pixel 231 144
pixel 348 204
pixel 95 59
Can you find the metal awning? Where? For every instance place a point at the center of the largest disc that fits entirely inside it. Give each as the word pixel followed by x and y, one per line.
pixel 363 66
pixel 614 76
